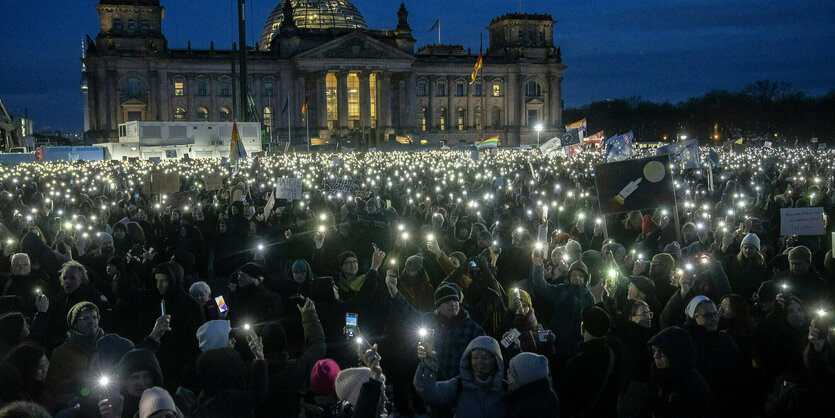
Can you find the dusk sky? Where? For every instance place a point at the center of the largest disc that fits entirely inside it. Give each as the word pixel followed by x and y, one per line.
pixel 659 50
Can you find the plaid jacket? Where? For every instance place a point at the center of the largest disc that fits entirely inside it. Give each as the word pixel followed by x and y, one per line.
pixel 450 340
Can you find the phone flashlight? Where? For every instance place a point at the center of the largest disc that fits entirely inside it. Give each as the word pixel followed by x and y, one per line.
pixel 821 313
pixel 321 228
pixel 104 381
pixel 430 237
pixel 405 235
pixel 162 307
pixel 423 332
pixel 688 266
pixel 598 221
pixel 260 247
pixel 613 273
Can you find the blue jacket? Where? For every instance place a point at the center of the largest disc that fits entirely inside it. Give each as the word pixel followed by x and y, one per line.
pixel 564 314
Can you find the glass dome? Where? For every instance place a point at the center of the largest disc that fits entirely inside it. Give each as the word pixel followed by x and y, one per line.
pixel 314 14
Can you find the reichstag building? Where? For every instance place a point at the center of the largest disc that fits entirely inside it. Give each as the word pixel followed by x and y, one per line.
pixel 355 80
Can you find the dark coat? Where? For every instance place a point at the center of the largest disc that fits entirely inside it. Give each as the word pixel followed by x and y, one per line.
pixel 721 364
pixel 584 377
pixel 536 399
pixel 636 358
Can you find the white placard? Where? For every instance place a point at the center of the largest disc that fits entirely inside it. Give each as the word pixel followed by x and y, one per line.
pixel 287 188
pixel 767 144
pixel 802 221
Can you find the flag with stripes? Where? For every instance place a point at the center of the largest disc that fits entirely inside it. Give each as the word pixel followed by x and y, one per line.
pixel 492 142
pixel 580 124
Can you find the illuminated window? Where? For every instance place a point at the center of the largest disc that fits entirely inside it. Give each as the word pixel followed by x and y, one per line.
pixel 202 88
pixel 202 114
pixel 461 118
pixel 268 88
pixel 422 118
pixel 331 99
pixel 224 114
pixel 442 119
pixel 268 120
pixel 532 89
pixel 459 89
pixel 353 97
pixel 372 86
pixel 497 89
pixel 179 113
pixel 179 88
pixel 477 118
pixel 225 89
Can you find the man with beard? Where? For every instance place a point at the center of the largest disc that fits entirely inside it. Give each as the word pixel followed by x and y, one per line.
pixel 96 261
pixel 23 283
pixel 804 281
pixel 661 272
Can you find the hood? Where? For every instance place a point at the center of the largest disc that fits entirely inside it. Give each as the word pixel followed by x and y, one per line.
pixel 486 343
pixel 109 351
pixel 308 276
pixel 221 369
pixel 140 360
pixel 677 345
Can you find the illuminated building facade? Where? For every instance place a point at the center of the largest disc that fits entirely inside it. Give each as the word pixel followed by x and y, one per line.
pixel 354 80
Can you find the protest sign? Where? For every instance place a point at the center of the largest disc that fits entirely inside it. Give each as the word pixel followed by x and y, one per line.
pixel 802 221
pixel 630 185
pixel 342 185
pixel 213 181
pixel 288 188
pixel 170 153
pixel 161 182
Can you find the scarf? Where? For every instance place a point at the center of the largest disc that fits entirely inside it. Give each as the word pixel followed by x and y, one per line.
pixel 86 343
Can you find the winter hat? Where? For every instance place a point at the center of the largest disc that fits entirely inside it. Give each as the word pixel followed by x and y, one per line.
pixel 665 260
pixel 446 292
pixel 579 265
pixel 690 310
pixel 414 262
pixel 76 310
pixel 780 262
pixel 214 334
pixel 752 239
pixel 768 291
pixel 274 337
pixel 349 382
pixel 461 257
pixel 648 225
pixel 644 284
pixel 596 321
pixel 800 253
pixel 574 247
pixel 109 350
pixel 254 270
pixel 485 235
pixel 140 360
pixel 526 298
pixel 673 249
pixel 323 377
pixel 156 399
pixel 340 259
pixel 563 238
pixel 688 225
pixel 526 367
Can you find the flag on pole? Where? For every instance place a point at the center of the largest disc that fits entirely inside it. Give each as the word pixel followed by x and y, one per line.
pixel 684 153
pixel 304 108
pixel 435 25
pixel 491 142
pixel 594 139
pixel 569 138
pixel 478 64
pixel 236 146
pixel 286 103
pixel 619 147
pixel 580 124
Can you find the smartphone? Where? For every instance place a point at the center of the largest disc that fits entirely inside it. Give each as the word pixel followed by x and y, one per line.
pixel 221 304
pixel 350 324
pixel 544 336
pixel 508 341
pixel 297 299
pixel 162 307
pixel 473 264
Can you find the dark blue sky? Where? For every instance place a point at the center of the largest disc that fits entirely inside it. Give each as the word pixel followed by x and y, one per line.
pixel 659 50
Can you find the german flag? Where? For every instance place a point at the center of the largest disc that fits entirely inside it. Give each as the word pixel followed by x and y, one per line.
pixel 304 109
pixel 478 64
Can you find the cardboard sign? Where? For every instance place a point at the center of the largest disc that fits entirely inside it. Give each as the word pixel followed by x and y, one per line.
pixel 160 182
pixel 170 153
pixel 268 208
pixel 474 155
pixel 802 221
pixel 341 185
pixel 213 181
pixel 629 185
pixel 767 144
pixel 287 188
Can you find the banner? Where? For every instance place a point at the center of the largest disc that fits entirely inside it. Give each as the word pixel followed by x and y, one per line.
pixel 288 188
pixel 213 181
pixel 491 142
pixel 619 147
pixel 802 221
pixel 570 138
pixel 630 185
pixel 342 185
pixel 684 153
pixel 580 125
pixel 161 182
pixel 594 139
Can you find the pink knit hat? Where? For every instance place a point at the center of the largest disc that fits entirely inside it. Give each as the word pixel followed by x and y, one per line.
pixel 323 376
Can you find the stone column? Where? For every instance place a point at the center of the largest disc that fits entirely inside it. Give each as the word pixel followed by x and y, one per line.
pixel 384 102
pixel 322 103
pixel 365 100
pixel 191 108
pixel 558 102
pixel 410 98
pixel 342 101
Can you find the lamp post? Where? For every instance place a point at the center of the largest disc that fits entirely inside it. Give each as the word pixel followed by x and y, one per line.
pixel 538 129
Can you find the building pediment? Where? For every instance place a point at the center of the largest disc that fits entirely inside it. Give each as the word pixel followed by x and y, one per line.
pixel 134 104
pixel 353 47
pixel 535 101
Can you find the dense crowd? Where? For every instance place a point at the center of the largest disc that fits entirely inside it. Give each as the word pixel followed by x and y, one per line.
pixel 410 284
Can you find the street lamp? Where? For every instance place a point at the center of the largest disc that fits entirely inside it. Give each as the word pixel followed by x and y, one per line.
pixel 538 129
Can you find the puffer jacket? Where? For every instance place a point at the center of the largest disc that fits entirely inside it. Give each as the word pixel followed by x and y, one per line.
pixel 469 397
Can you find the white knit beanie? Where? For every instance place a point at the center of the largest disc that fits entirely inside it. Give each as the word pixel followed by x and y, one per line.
pixel 349 382
pixel 526 367
pixel 154 400
pixel 752 239
pixel 690 310
pixel 214 334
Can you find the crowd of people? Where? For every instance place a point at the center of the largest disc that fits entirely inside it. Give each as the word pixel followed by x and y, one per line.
pixel 413 284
